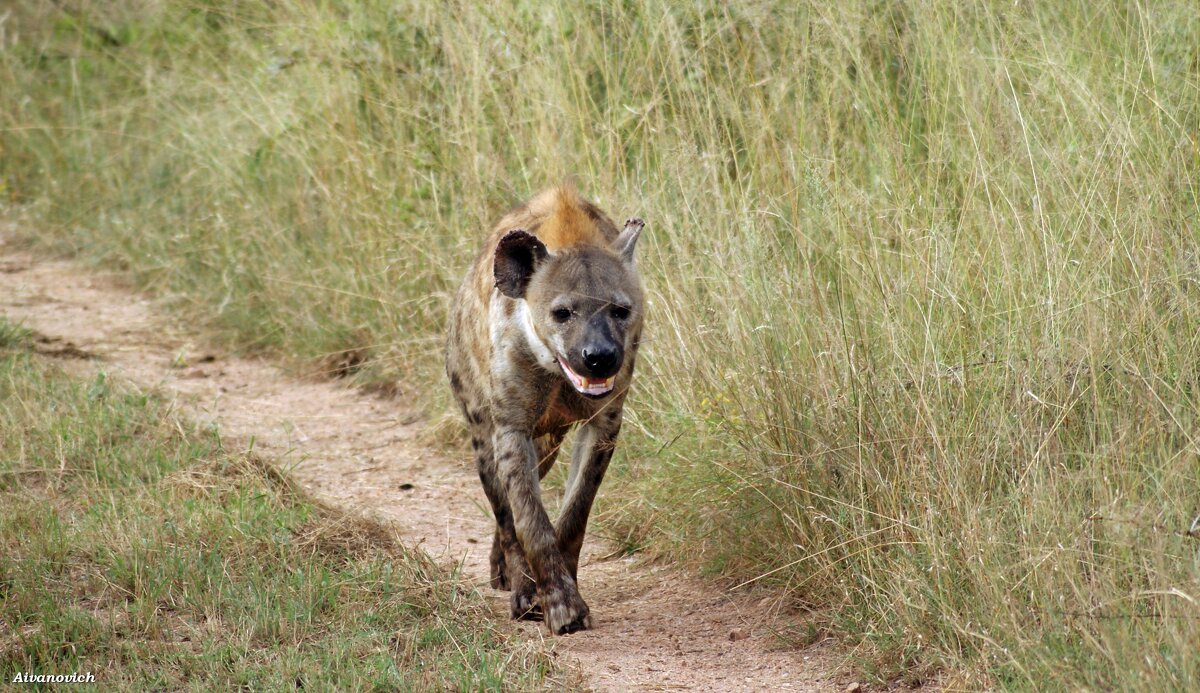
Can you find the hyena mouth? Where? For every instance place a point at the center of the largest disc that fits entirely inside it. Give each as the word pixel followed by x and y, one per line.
pixel 585 385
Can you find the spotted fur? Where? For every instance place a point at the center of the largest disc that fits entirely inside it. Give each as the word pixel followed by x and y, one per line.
pixel 554 291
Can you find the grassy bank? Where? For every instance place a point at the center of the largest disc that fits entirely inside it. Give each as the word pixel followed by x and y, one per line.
pixel 924 277
pixel 133 546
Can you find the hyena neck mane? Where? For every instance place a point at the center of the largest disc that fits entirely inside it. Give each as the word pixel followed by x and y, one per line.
pixel 563 220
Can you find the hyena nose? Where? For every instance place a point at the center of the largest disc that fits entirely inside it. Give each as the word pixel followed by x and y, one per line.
pixel 601 360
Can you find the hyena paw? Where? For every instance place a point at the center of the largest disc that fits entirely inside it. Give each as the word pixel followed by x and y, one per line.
pixel 563 610
pixel 524 602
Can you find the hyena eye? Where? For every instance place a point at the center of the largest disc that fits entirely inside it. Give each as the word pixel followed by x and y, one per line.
pixel 619 312
pixel 561 314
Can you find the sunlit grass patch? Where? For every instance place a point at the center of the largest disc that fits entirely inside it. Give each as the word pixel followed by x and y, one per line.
pixel 135 547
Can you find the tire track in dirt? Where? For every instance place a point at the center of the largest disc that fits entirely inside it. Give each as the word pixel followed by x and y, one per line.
pixel 656 629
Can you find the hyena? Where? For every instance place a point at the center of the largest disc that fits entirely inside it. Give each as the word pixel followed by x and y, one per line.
pixel 543 335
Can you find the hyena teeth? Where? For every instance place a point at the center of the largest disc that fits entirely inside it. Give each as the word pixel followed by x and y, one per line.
pixel 588 386
pixel 527 291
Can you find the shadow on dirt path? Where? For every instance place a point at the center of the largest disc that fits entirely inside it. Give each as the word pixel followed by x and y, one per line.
pixel 655 628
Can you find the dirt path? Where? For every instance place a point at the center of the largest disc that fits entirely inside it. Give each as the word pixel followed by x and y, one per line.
pixel 655 628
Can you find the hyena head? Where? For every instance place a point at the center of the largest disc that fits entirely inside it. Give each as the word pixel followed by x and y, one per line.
pixel 584 303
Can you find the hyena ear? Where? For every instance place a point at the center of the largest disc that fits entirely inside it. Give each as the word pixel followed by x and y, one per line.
pixel 627 241
pixel 517 255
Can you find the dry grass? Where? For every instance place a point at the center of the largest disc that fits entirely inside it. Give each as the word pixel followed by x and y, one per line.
pixel 924 276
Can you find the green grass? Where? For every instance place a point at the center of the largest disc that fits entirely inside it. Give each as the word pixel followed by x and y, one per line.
pixel 133 546
pixel 922 348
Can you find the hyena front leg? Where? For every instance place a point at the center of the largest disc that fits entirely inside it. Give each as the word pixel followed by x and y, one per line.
pixel 493 488
pixel 594 447
pixel 547 451
pixel 563 610
pixel 509 569
pixel 479 422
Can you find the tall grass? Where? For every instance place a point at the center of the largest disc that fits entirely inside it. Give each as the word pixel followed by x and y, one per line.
pixel 924 277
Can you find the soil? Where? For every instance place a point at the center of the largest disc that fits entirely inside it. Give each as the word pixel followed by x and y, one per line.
pixel 656 628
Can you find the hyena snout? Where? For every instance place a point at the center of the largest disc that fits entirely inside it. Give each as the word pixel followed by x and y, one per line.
pixel 602 359
pixel 592 364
